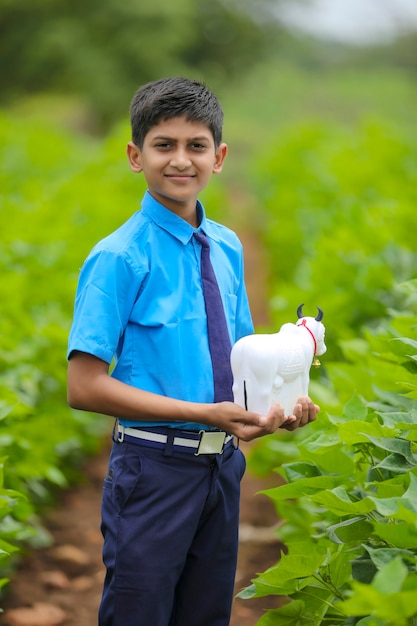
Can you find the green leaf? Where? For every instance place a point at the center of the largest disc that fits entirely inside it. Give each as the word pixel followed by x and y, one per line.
pixel 247 593
pixel 319 601
pixel 406 343
pixel 55 476
pixel 355 409
pixel 8 495
pixel 363 570
pixel 390 578
pixel 395 608
pixel 371 621
pixel 292 571
pixel 404 507
pixel 391 487
pixel 339 569
pixel 355 432
pixel 7 548
pixel 398 446
pixel 295 471
pixel 384 597
pixel 329 458
pixel 303 486
pixel 397 419
pixel 339 502
pixel 320 442
pixel 354 529
pixel 291 614
pixel 395 463
pixel 382 556
pixel 401 535
pixel 308 608
pixel 273 582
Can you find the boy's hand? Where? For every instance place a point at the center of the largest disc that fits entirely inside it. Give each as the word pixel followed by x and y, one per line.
pixel 305 411
pixel 247 425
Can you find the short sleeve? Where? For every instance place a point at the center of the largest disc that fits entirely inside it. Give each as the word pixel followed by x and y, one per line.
pixel 107 290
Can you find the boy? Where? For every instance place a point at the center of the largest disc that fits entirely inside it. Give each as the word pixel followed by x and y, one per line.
pixel 170 506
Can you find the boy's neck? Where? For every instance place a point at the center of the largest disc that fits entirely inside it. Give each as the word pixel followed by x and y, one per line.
pixel 188 212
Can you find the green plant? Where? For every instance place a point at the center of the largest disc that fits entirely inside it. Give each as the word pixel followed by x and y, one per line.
pixel 46 228
pixel 349 503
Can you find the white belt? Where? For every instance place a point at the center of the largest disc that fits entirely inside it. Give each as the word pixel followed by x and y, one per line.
pixel 205 441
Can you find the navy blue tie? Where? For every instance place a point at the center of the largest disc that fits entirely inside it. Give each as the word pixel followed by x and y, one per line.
pixel 218 335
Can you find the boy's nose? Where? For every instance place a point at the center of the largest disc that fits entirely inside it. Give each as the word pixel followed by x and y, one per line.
pixel 180 160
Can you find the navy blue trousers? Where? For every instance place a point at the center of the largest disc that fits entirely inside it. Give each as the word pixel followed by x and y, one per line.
pixel 170 527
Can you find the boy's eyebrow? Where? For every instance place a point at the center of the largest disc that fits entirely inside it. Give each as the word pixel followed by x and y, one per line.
pixel 168 138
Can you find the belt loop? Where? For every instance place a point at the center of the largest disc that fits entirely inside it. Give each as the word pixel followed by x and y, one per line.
pixel 121 430
pixel 114 434
pixel 169 446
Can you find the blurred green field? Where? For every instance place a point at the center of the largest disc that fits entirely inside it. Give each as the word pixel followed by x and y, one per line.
pixel 276 96
pixel 322 166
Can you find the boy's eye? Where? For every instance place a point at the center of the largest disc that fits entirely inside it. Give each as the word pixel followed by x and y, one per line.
pixel 195 146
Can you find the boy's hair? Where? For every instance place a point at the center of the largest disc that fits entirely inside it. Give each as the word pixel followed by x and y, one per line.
pixel 174 97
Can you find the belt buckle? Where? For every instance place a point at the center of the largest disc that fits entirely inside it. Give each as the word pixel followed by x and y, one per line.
pixel 211 442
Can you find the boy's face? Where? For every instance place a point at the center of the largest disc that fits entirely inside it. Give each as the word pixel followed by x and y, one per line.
pixel 177 159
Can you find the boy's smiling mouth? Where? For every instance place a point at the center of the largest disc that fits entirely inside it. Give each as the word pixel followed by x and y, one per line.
pixel 180 176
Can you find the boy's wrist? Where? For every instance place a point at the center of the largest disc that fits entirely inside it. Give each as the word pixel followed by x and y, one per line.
pixel 200 413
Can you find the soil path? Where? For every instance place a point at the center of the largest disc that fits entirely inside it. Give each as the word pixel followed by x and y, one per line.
pixel 62 584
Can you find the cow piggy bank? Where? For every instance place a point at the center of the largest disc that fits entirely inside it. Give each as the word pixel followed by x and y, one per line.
pixel 270 368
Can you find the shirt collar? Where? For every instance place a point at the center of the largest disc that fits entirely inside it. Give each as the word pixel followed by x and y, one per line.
pixel 174 224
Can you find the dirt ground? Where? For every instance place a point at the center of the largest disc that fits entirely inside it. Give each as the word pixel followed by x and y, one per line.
pixel 61 585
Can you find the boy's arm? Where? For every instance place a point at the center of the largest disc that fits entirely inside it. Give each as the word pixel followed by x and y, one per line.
pixel 90 388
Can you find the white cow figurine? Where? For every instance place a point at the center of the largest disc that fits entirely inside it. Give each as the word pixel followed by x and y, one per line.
pixel 276 367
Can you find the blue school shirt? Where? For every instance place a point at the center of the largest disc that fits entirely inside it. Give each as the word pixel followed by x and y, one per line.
pixel 140 304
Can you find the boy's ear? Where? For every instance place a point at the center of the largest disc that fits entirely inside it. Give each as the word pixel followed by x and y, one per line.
pixel 221 153
pixel 134 157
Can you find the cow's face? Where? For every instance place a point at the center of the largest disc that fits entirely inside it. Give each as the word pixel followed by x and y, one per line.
pixel 321 346
pixel 317 329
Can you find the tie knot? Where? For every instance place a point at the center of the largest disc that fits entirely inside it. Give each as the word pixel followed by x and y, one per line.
pixel 202 239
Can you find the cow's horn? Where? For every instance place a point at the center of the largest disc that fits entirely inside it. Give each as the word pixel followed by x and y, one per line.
pixel 300 311
pixel 319 315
